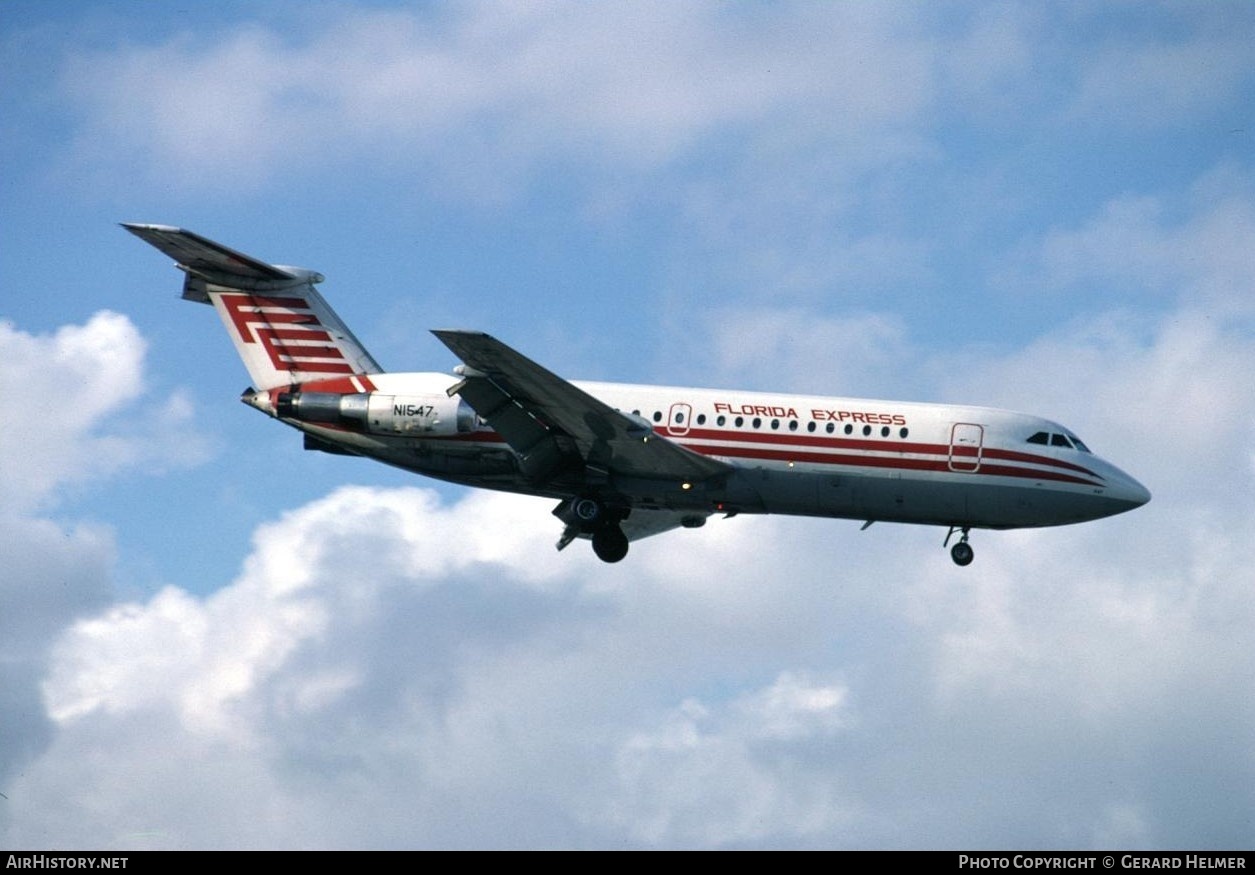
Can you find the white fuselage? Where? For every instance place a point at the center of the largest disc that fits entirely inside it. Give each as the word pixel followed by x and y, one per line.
pixel 627 461
pixel 798 454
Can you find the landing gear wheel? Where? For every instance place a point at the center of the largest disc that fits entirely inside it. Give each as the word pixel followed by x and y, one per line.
pixel 610 544
pixel 962 553
pixel 587 510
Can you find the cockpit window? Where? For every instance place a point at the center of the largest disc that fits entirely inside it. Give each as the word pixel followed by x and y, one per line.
pixel 1069 441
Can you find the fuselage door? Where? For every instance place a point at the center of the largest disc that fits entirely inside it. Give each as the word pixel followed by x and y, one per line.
pixel 678 419
pixel 966 441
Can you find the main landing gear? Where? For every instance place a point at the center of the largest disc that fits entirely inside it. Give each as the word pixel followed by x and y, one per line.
pixel 589 517
pixel 609 543
pixel 962 552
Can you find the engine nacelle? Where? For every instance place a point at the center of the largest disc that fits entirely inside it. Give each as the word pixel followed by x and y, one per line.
pixel 418 414
pixel 376 413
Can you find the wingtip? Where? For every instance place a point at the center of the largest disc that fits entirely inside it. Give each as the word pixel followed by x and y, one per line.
pixel 140 227
pixel 457 332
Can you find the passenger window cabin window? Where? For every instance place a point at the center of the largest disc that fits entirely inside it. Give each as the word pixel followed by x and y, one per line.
pixel 679 417
pixel 701 419
pixel 903 433
pixel 810 426
pixel 657 416
pixel 1040 438
pixel 758 423
pixel 721 420
pixel 831 428
pixel 740 421
pixel 849 429
pixel 792 425
pixel 775 424
pixel 884 432
pixel 867 430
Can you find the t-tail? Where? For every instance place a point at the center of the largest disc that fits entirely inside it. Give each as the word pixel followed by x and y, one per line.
pixel 282 327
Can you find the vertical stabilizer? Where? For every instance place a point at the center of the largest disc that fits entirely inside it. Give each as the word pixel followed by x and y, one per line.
pixel 283 329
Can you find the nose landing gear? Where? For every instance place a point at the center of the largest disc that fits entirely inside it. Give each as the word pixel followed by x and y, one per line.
pixel 962 552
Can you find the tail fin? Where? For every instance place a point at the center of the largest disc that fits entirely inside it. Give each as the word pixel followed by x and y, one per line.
pixel 282 327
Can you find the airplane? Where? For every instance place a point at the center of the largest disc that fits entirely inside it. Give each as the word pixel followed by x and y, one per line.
pixel 628 461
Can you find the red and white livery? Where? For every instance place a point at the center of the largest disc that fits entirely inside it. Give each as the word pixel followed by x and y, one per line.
pixel 627 461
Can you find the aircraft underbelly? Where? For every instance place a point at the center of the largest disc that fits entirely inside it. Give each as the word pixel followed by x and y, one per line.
pixel 464 461
pixel 940 498
pixel 945 499
pixel 434 459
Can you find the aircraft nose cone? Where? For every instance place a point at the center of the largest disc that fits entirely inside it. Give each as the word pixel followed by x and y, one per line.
pixel 1132 492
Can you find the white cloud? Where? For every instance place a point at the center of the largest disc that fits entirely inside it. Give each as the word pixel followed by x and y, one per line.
pixel 64 394
pixel 1152 83
pixel 1140 249
pixel 867 354
pixel 332 560
pixel 488 88
pixel 758 682
pixel 1151 360
pixel 66 390
pixel 65 384
pixel 736 775
pixel 376 636
pixel 476 100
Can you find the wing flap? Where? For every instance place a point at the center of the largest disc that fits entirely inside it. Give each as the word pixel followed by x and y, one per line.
pixel 540 450
pixel 603 438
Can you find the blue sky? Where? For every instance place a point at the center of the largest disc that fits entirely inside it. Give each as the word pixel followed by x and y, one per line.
pixel 213 639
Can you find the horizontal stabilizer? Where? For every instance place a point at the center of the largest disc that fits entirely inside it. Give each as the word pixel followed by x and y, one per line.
pixel 203 255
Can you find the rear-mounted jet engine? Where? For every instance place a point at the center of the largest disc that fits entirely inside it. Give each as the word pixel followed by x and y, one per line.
pixel 376 413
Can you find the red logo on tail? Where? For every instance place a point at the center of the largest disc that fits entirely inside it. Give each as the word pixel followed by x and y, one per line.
pixel 288 330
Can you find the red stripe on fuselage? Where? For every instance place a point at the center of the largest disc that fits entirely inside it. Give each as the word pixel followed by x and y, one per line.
pixel 888 462
pixel 939 464
pixel 886 445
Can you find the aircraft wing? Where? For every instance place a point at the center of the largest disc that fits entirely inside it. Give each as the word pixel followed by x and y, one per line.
pixel 550 422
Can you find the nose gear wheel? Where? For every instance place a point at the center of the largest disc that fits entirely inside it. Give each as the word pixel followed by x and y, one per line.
pixel 962 552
